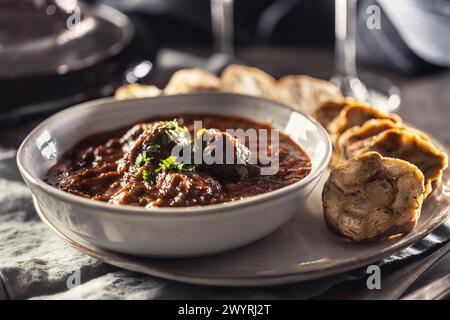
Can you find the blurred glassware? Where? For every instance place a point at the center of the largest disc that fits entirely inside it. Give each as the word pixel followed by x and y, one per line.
pixel 57 36
pixel 375 90
pixel 222 23
pixel 222 26
pixel 57 53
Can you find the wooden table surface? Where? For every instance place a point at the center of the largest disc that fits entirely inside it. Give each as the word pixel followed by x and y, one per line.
pixel 425 98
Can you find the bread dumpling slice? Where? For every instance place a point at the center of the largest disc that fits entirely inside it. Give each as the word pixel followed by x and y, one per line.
pixel 356 114
pixel 372 197
pixel 305 93
pixel 406 145
pixel 192 80
pixel 247 80
pixel 357 137
pixel 327 111
pixel 136 90
pixel 354 137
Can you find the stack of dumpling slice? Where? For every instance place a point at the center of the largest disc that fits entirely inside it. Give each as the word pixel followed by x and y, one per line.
pixel 302 92
pixel 382 170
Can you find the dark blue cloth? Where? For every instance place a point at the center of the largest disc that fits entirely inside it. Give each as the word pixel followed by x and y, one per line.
pixel 414 35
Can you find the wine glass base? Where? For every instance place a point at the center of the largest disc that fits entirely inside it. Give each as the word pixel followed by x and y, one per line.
pixel 381 92
pixel 375 90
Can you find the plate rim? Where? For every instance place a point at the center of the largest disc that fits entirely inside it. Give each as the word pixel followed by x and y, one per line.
pixel 122 261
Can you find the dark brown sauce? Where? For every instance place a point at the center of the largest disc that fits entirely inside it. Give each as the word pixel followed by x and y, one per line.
pixel 106 167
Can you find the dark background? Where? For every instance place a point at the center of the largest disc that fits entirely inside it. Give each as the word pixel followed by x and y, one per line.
pixel 279 36
pixel 292 23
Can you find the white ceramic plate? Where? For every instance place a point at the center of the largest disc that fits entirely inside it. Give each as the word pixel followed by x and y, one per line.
pixel 303 249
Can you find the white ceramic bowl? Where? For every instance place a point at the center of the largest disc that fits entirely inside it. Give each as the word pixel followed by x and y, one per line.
pixel 168 232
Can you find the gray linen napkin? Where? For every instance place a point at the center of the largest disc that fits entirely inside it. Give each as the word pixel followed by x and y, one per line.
pixel 36 264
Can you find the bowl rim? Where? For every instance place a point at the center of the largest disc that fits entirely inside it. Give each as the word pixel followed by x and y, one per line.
pixel 168 211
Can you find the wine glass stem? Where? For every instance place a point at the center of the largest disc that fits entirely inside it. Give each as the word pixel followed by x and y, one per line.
pixel 222 26
pixel 345 42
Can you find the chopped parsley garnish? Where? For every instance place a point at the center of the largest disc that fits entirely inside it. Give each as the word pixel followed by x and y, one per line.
pixel 146 156
pixel 200 133
pixel 146 176
pixel 168 164
pixel 174 131
pixel 242 171
pixel 171 164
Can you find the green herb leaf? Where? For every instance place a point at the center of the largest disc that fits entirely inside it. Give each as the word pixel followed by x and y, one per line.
pixel 201 132
pixel 174 130
pixel 146 156
pixel 146 175
pixel 198 135
pixel 171 164
pixel 168 163
pixel 242 171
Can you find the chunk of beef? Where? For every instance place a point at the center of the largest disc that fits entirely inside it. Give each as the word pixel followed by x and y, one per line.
pixel 180 190
pixel 128 139
pixel 156 143
pixel 224 157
